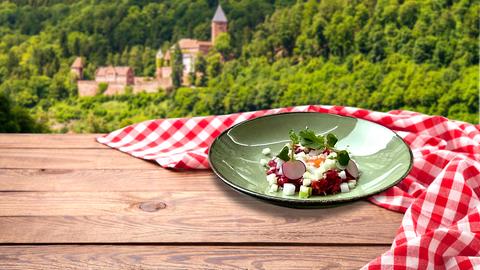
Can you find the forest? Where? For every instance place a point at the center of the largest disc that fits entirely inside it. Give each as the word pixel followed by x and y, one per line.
pixel 375 54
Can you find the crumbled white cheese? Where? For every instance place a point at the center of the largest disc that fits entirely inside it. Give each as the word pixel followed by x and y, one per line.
pixel 329 164
pixel 332 155
pixel 308 175
pixel 342 175
pixel 272 179
pixel 263 161
pixel 288 189
pixel 300 155
pixel 273 188
pixel 266 151
pixel 311 169
pixel 344 187
pixel 307 182
pixel 319 172
pixel 352 184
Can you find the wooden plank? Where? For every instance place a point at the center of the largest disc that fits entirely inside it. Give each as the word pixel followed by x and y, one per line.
pixel 107 180
pixel 71 159
pixel 186 257
pixel 173 217
pixel 50 141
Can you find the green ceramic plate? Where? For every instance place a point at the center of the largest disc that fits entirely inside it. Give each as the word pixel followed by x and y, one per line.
pixel 382 156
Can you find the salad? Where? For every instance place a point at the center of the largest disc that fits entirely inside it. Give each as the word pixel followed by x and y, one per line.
pixel 310 165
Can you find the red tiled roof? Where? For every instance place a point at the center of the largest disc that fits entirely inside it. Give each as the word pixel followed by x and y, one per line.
pixel 119 71
pixel 186 43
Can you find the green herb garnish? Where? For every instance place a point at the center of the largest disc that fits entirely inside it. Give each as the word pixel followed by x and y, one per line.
pixel 331 140
pixel 310 140
pixel 295 140
pixel 343 157
pixel 293 137
pixel 283 155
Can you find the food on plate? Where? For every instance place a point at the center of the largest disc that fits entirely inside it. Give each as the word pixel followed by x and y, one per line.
pixel 310 165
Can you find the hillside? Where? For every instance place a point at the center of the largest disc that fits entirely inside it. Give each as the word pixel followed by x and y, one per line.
pixel 381 55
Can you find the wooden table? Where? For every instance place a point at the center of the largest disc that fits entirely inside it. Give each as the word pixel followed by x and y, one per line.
pixel 67 202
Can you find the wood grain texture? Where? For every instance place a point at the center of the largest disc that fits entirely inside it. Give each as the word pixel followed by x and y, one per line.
pixel 70 191
pixel 203 217
pixel 71 159
pixel 180 257
pixel 107 180
pixel 69 141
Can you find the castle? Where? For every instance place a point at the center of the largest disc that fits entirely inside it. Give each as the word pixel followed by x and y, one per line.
pixel 116 80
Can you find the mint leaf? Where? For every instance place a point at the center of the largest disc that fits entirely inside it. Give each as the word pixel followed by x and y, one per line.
pixel 293 137
pixel 343 157
pixel 310 140
pixel 283 155
pixel 331 140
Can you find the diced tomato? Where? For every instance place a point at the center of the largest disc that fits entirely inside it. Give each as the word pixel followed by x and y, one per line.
pixel 282 180
pixel 272 170
pixel 319 187
pixel 333 180
pixel 272 163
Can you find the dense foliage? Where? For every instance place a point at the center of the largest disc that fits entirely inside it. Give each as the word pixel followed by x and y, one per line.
pixel 380 55
pixel 376 54
pixel 14 118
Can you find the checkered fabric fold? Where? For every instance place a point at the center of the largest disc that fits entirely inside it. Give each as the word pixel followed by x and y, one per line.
pixel 440 197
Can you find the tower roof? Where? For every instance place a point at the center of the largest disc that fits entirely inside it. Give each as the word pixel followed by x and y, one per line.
pixel 78 63
pixel 219 15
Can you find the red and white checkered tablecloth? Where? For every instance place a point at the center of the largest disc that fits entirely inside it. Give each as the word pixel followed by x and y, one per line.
pixel 440 197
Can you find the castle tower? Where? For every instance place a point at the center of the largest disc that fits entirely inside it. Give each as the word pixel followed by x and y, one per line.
pixel 77 68
pixel 219 23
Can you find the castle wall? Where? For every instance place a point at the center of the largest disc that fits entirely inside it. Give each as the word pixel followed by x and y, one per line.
pixel 141 84
pixel 87 88
pixel 115 79
pixel 115 88
pixel 148 87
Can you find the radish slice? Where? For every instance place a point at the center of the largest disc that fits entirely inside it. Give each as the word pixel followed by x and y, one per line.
pixel 352 169
pixel 293 169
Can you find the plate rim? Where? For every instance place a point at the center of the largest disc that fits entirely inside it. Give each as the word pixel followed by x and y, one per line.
pixel 298 201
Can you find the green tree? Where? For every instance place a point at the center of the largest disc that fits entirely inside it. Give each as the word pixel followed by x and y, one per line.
pixel 381 55
pixel 177 66
pixel 201 69
pixel 408 13
pixel 14 118
pixel 223 46
pixel 214 66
